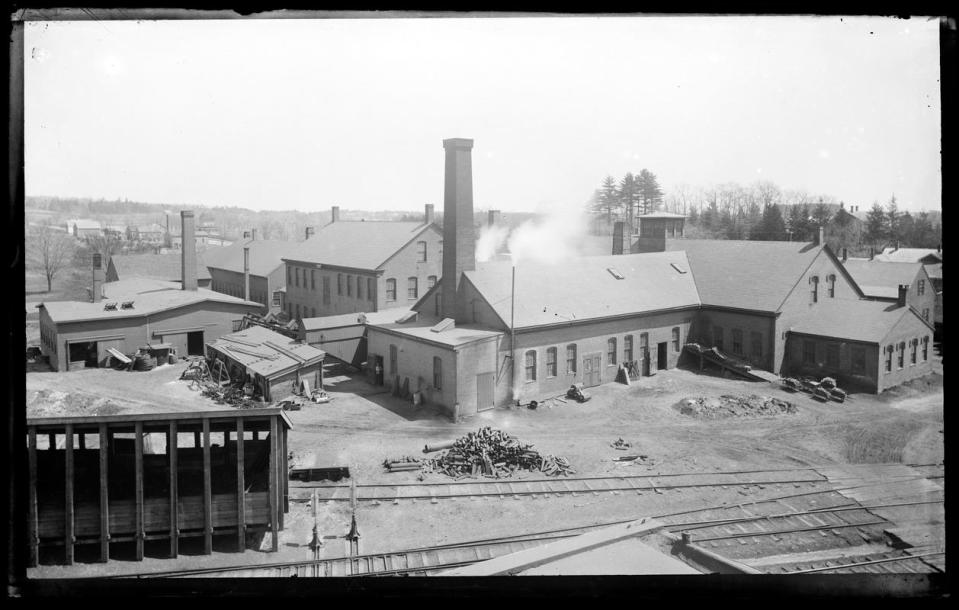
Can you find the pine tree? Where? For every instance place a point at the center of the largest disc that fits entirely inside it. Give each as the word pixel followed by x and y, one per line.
pixel 628 196
pixel 609 197
pixel 820 215
pixel 772 227
pixel 875 224
pixel 649 194
pixel 892 220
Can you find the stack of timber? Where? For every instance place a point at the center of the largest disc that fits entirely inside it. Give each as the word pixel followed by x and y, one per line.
pixel 494 454
pixel 406 463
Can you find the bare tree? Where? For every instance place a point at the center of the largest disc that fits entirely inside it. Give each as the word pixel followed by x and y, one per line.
pixel 51 251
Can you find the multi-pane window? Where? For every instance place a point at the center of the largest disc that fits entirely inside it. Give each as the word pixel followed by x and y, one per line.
pixel 349 285
pixel 925 348
pixel 297 310
pixel 925 314
pixel 914 346
pixel 858 360
pixel 430 281
pixel 437 372
pixel 922 287
pixel 675 338
pixel 297 275
pixel 808 352
pixel 421 251
pixel 370 293
pixel 718 336
pixel 756 339
pixel 832 356
pixel 628 348
pixel 902 354
pixel 814 289
pixel 391 289
pixel 411 288
pixel 531 365
pixel 611 351
pixel 289 276
pixel 313 310
pixel 737 341
pixel 643 345
pixel 889 350
pixel 392 360
pixel 312 279
pixel 326 290
pixel 339 284
pixel 436 302
pixel 831 280
pixel 359 287
pixel 571 359
pixel 551 362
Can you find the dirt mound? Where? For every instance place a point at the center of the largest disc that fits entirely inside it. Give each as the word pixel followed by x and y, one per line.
pixel 52 403
pixel 734 406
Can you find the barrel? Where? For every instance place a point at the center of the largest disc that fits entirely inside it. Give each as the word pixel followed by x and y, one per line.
pixel 171 359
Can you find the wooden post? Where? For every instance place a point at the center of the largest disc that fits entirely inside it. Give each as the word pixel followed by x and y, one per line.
pixel 273 494
pixel 240 488
pixel 256 435
pixel 32 525
pixel 285 471
pixel 196 439
pixel 68 494
pixel 138 489
pixel 83 440
pixel 207 491
pixel 104 494
pixel 171 448
pixel 51 441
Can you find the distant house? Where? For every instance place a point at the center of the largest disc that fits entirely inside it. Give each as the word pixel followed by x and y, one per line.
pixel 882 281
pixel 166 267
pixel 202 239
pixel 115 231
pixel 267 270
pixel 931 259
pixel 84 227
pixel 153 233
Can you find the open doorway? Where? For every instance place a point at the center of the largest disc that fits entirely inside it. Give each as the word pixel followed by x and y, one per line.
pixel 661 355
pixel 83 354
pixel 194 343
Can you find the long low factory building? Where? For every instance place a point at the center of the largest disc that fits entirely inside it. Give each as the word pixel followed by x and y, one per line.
pixel 344 336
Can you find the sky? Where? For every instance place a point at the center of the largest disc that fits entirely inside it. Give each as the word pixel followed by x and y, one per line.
pixel 305 114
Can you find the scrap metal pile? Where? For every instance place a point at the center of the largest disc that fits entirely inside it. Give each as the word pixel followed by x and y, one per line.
pixel 230 395
pixel 488 452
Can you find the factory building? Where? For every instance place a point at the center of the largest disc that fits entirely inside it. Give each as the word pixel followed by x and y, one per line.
pixel 256 261
pixel 344 337
pixel 883 281
pixel 129 314
pixel 164 267
pixel 357 266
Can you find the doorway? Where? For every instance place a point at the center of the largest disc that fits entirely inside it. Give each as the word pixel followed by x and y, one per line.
pixel 378 370
pixel 84 352
pixel 484 391
pixel 592 369
pixel 194 343
pixel 661 351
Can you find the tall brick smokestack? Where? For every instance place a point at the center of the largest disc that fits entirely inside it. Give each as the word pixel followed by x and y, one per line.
pixel 188 254
pixel 334 214
pixel 98 277
pixel 246 273
pixel 459 249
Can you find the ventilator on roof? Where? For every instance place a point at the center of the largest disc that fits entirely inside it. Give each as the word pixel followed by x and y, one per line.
pixel 127 305
pixel 110 307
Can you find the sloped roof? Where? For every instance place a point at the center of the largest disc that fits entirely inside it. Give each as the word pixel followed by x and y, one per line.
pixel 85 223
pixel 148 296
pixel 461 334
pixel 357 244
pixel 584 288
pixel 277 353
pixel 661 215
pixel 265 256
pixel 907 255
pixel 756 275
pixel 863 320
pixel 350 319
pixel 934 271
pixel 156 266
pixel 881 279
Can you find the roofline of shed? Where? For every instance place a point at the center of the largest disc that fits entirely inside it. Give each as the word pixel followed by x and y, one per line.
pixel 452 348
pixel 142 314
pixel 160 417
pixel 578 321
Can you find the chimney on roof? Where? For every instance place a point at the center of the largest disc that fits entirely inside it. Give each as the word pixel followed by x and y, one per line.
pixel 619 235
pixel 493 218
pixel 459 252
pixel 897 247
pixel 821 237
pixel 903 291
pixel 430 214
pixel 845 254
pixel 309 232
pixel 334 214
pixel 246 273
pixel 253 234
pixel 98 276
pixel 872 253
pixel 188 252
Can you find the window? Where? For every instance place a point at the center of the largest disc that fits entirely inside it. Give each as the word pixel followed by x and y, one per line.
pixel 571 359
pixel 297 272
pixel 756 339
pixel 808 352
pixel 814 289
pixel 369 289
pixel 411 288
pixel 551 362
pixel 718 336
pixel 531 365
pixel 628 348
pixel 339 284
pixel 289 276
pixel 437 373
pixel 925 314
pixel 611 352
pixel 858 360
pixel 421 251
pixel 914 346
pixel 430 281
pixel 902 354
pixel 831 280
pixel 832 356
pixel 889 350
pixel 391 289
pixel 676 339
pixel 925 348
pixel 737 341
pixel 326 290
pixel 237 325
pixel 392 360
pixel 643 346
pixel 312 279
pixel 359 287
pixel 922 287
pixel 297 310
pixel 349 285
pixel 437 304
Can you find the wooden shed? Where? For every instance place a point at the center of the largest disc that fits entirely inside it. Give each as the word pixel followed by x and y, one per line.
pixel 143 477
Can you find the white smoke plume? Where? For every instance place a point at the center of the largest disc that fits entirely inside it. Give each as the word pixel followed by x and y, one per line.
pixel 551 238
pixel 491 239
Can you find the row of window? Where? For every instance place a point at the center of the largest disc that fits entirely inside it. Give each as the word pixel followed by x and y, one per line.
pixel 900 351
pixel 238 291
pixel 858 355
pixel 412 287
pixel 611 354
pixel 290 309
pixel 738 348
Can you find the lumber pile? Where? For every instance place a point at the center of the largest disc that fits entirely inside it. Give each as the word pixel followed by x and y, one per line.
pixel 494 454
pixel 404 464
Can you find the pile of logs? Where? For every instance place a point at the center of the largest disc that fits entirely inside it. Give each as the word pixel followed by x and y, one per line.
pixel 493 454
pixel 404 464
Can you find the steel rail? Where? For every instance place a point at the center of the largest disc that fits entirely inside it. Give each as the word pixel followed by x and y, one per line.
pixel 866 563
pixel 789 531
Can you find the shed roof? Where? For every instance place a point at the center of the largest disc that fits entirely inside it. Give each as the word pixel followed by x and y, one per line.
pixel 357 244
pixel 755 275
pixel 452 337
pixel 872 320
pixel 351 319
pixel 265 256
pixel 166 267
pixel 265 352
pixel 907 255
pixel 148 418
pixel 567 292
pixel 661 215
pixel 149 297
pixel 881 279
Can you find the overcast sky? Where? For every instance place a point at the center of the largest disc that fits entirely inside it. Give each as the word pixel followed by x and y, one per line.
pixel 305 114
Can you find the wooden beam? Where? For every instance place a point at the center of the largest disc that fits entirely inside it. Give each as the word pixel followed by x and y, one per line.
pixel 207 491
pixel 68 494
pixel 32 524
pixel 138 486
pixel 240 488
pixel 273 495
pixel 171 448
pixel 104 493
pixel 285 473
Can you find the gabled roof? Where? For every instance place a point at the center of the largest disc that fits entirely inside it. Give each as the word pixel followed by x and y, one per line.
pixel 586 288
pixel 265 352
pixel 148 296
pixel 934 271
pixel 156 266
pixel 881 279
pixel 907 255
pixel 862 320
pixel 357 244
pixel 755 275
pixel 265 256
